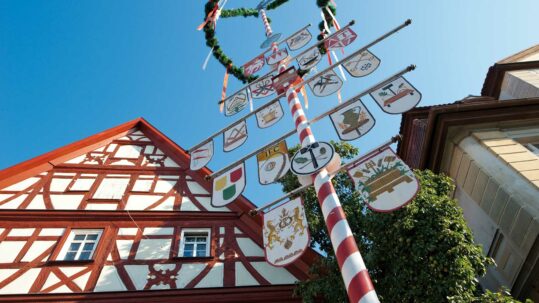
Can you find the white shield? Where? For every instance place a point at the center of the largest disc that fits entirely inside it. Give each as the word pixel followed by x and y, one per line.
pixel 352 121
pixel 201 156
pixel 227 187
pixel 362 64
pixel 299 40
pixel 262 87
pixel 286 233
pixel 269 115
pixel 236 103
pixel 325 84
pixel 340 39
pixel 253 66
pixel 385 183
pixel 309 59
pixel 235 136
pixel 312 158
pixel 273 163
pixel 277 56
pixel 397 97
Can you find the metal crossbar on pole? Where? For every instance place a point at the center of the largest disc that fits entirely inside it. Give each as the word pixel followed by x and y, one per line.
pixel 314 120
pixel 342 168
pixel 406 23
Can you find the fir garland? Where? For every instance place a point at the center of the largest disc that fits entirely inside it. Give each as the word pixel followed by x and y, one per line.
pixel 212 42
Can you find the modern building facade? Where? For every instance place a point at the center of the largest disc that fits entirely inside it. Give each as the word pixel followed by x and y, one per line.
pixel 119 217
pixel 490 146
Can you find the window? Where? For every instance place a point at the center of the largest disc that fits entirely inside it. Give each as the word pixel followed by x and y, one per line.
pixel 80 245
pixel 195 243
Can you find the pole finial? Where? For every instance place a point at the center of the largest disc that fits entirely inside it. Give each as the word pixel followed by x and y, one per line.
pixel 408 22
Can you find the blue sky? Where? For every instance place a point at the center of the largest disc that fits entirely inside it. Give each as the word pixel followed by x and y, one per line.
pixel 70 69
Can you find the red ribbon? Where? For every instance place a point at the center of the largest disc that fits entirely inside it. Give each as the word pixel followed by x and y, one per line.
pixel 210 17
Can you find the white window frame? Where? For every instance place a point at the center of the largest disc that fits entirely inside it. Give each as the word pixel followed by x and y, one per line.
pixel 195 230
pixel 70 239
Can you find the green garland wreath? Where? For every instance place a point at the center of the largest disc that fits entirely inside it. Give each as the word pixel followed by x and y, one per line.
pixel 212 42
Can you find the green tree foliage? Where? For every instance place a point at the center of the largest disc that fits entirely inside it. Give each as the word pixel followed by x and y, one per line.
pixel 423 252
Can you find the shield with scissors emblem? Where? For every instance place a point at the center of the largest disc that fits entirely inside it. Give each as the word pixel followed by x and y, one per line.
pixel 325 84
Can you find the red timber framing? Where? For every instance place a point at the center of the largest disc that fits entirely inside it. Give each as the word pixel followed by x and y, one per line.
pixel 42 200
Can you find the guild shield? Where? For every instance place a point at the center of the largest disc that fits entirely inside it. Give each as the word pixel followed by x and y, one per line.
pixel 309 59
pixel 227 187
pixel 269 115
pixel 397 97
pixel 325 84
pixel 352 121
pixel 201 156
pixel 253 66
pixel 312 158
pixel 262 87
pixel 273 163
pixel 286 233
pixel 236 103
pixel 340 39
pixel 362 64
pixel 299 40
pixel 235 136
pixel 384 182
pixel 277 56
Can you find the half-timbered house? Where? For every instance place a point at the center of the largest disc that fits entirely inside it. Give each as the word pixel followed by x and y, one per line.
pixel 119 217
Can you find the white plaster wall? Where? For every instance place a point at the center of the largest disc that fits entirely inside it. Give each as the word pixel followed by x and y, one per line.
pixel 274 275
pixel 249 247
pixel 37 248
pixel 22 284
pixel 9 250
pixel 164 186
pixel 21 232
pixel 128 151
pixel 52 232
pixel 188 205
pixel 83 184
pixel 127 231
pixel 37 203
pixel 60 185
pixel 153 249
pixel 214 278
pixel 243 277
pixel 66 201
pixel 109 280
pixel 143 185
pixel 188 272
pixel 168 204
pixel 101 206
pixel 138 274
pixel 140 202
pixel 124 247
pixel 13 204
pixel 158 231
pixel 21 185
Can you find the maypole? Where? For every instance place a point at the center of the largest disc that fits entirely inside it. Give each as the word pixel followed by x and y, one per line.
pixel 384 182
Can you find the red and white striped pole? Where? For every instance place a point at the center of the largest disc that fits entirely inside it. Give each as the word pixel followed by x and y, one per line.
pixel 355 275
pixel 267 27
